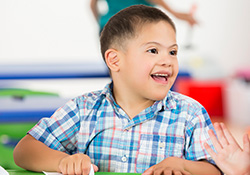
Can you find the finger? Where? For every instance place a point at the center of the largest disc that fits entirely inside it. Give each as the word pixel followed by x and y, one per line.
pixel 160 171
pixel 193 9
pixel 168 172
pixel 215 141
pixel 186 172
pixel 86 168
pixel 78 167
pixel 66 170
pixel 149 171
pixel 246 143
pixel 228 134
pixel 177 172
pixel 95 167
pixel 210 150
pixel 70 168
pixel 220 134
pixel 63 168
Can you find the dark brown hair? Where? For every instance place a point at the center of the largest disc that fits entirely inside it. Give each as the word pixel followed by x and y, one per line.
pixel 125 24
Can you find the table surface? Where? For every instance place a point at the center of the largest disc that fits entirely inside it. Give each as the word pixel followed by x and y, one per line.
pixel 24 172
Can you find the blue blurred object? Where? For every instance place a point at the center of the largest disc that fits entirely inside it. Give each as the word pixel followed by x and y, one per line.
pixel 44 71
pixel 181 74
pixel 24 116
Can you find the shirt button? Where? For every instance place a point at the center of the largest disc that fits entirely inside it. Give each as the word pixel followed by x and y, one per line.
pixel 162 144
pixel 124 158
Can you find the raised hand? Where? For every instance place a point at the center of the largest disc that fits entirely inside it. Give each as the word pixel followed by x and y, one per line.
pixel 229 156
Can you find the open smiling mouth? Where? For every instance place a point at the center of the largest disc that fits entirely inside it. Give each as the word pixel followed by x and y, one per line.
pixel 161 78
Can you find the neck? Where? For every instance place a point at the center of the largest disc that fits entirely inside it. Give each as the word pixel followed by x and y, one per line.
pixel 131 103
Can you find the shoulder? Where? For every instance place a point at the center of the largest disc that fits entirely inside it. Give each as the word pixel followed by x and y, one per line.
pixel 88 100
pixel 183 100
pixel 189 111
pixel 186 106
pixel 77 106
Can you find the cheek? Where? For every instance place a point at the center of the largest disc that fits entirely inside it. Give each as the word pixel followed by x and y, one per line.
pixel 176 67
pixel 143 71
pixel 175 71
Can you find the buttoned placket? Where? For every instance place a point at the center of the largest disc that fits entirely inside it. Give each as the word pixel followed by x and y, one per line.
pixel 123 153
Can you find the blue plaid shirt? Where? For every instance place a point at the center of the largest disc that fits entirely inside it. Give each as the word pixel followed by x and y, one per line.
pixel 95 125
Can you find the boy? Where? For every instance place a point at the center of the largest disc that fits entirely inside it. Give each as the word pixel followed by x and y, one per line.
pixel 136 124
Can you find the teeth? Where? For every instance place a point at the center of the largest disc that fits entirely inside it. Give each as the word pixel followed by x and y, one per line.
pixel 162 75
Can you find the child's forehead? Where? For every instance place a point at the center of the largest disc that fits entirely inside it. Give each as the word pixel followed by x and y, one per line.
pixel 139 34
pixel 159 25
pixel 154 32
pixel 140 26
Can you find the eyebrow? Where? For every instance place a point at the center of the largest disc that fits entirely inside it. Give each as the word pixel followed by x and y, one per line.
pixel 153 42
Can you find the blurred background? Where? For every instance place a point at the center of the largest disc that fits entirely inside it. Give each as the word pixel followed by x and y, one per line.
pixel 49 53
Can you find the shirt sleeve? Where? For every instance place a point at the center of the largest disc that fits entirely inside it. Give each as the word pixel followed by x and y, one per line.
pixel 60 131
pixel 196 135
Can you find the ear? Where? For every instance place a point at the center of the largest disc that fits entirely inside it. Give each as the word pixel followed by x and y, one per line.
pixel 112 60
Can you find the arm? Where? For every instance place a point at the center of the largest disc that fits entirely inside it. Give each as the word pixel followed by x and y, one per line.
pixel 188 17
pixel 33 155
pixel 178 165
pixel 59 132
pixel 93 6
pixel 229 157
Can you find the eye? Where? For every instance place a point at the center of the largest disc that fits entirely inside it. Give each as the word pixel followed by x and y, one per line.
pixel 154 51
pixel 173 52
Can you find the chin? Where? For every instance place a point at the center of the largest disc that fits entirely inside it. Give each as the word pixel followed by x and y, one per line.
pixel 159 97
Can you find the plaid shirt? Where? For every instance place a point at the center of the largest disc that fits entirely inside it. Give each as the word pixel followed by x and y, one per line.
pixel 95 125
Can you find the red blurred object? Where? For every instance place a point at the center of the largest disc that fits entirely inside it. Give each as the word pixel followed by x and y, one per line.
pixel 207 92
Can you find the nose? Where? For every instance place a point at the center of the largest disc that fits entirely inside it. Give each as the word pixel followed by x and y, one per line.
pixel 166 60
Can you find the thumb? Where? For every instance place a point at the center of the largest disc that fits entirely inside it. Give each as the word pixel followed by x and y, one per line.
pixel 149 171
pixel 95 167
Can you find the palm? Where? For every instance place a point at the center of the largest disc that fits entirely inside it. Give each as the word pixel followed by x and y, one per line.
pixel 232 159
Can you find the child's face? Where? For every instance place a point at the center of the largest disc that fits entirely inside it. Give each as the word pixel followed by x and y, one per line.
pixel 149 63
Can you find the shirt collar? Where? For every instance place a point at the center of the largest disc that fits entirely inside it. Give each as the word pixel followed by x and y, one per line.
pixel 108 94
pixel 107 91
pixel 167 103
